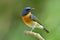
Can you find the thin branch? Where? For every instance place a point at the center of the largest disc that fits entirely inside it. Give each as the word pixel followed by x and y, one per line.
pixel 37 35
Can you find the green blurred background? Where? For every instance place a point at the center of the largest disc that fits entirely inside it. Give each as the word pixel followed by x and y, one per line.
pixel 12 26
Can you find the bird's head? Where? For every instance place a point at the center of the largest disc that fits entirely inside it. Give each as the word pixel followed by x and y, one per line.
pixel 26 11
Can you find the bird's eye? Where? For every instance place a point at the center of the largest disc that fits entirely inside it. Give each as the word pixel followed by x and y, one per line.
pixel 28 9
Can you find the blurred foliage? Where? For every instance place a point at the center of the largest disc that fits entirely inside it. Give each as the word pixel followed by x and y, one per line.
pixel 12 26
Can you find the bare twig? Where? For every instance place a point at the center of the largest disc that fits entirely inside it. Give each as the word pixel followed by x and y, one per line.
pixel 37 35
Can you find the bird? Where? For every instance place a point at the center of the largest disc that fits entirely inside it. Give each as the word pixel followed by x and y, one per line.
pixel 31 20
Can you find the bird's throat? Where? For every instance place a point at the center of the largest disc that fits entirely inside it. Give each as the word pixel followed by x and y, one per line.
pixel 26 18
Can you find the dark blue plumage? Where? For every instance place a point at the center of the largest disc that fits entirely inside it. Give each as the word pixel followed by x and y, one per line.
pixel 26 10
pixel 34 18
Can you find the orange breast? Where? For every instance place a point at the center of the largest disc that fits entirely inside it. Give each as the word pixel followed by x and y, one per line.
pixel 27 19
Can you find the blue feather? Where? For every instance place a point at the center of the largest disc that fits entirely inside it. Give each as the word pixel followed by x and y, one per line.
pixel 34 18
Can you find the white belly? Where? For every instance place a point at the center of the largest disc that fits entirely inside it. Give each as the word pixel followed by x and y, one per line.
pixel 37 25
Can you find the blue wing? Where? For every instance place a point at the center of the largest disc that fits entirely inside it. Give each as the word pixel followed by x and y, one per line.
pixel 34 18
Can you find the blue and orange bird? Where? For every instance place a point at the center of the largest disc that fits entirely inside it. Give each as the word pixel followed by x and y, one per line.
pixel 30 20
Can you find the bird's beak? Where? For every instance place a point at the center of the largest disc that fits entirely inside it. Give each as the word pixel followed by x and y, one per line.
pixel 32 8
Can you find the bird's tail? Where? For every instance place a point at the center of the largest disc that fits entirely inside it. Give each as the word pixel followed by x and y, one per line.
pixel 42 27
pixel 45 30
